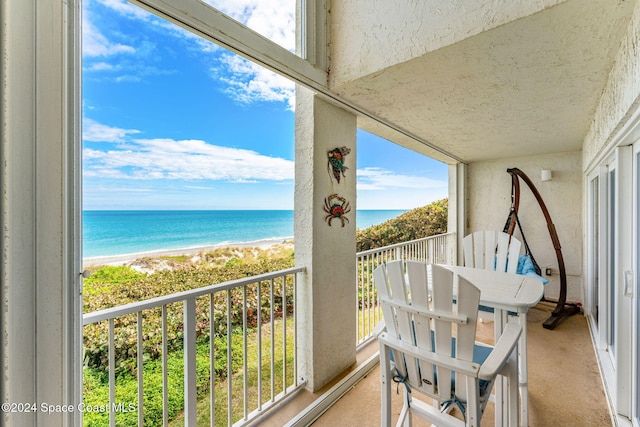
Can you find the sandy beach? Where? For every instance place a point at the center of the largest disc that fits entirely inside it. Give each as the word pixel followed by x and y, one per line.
pixel 128 258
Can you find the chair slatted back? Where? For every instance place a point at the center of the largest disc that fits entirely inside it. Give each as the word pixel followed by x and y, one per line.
pixel 491 250
pixel 412 317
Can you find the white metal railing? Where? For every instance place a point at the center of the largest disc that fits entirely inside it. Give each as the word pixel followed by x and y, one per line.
pixel 267 302
pixel 438 249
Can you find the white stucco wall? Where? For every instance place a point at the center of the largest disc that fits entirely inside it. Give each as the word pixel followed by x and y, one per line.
pixel 326 292
pixel 489 202
pixel 620 98
pixel 368 36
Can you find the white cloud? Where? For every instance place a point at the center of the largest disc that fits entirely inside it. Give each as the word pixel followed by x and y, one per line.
pixel 93 131
pixel 244 81
pixel 248 82
pixel 274 19
pixel 382 179
pixel 100 66
pixel 191 160
pixel 125 8
pixel 95 44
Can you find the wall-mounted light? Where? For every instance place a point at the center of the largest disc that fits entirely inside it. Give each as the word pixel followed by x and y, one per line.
pixel 545 175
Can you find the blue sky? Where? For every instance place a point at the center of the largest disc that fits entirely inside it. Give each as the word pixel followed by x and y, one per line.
pixel 171 121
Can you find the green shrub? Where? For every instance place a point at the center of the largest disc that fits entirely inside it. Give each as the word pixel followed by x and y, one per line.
pixel 140 286
pixel 96 388
pixel 418 223
pixel 103 280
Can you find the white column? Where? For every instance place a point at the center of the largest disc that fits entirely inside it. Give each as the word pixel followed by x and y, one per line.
pixel 40 310
pixel 327 294
pixel 457 217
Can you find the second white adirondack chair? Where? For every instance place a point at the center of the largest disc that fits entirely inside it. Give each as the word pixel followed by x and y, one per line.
pixel 491 250
pixel 428 347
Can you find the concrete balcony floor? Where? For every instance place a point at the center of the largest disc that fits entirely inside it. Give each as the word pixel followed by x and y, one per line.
pixel 565 387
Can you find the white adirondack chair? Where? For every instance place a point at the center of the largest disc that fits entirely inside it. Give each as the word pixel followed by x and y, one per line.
pixel 418 348
pixel 491 250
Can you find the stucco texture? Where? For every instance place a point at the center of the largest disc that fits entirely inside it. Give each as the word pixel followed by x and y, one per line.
pixel 326 292
pixel 621 96
pixel 489 203
pixel 392 40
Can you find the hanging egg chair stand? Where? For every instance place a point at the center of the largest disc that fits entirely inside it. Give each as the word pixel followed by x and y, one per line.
pixel 562 309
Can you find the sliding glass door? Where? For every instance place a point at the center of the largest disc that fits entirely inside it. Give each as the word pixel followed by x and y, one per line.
pixel 610 301
pixel 602 226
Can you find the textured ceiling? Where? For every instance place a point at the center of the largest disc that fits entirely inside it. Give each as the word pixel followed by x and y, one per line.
pixel 528 87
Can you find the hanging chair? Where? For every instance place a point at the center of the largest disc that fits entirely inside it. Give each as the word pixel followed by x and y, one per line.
pixel 562 309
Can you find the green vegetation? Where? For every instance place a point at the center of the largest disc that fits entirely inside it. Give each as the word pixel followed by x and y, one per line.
pixel 97 390
pixel 126 284
pixel 415 224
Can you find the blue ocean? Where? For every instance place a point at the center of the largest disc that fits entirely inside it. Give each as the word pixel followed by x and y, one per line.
pixel 108 233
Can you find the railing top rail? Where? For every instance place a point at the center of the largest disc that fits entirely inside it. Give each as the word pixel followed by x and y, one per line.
pixel 134 307
pixel 398 245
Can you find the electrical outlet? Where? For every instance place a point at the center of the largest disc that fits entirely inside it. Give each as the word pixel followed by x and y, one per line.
pixel 548 271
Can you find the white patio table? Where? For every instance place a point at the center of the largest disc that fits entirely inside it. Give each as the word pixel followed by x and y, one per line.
pixel 506 292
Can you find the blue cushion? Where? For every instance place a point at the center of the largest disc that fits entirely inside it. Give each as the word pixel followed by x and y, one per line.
pixel 526 268
pixel 480 354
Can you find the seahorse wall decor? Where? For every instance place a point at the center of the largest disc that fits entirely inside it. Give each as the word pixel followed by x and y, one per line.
pixel 336 162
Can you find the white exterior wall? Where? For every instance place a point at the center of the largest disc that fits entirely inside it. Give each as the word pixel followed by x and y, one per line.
pixel 326 300
pixel 368 36
pixel 489 202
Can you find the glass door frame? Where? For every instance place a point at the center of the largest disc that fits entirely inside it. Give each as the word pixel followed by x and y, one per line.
pixel 607 264
pixel 594 206
pixel 633 280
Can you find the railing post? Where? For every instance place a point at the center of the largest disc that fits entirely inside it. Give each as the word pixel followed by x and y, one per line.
pixel 140 356
pixel 112 373
pixel 190 398
pixel 438 249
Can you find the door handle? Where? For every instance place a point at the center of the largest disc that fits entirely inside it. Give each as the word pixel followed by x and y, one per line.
pixel 628 283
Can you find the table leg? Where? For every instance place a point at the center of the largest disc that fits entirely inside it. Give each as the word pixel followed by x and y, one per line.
pixel 385 379
pixel 523 374
pixel 501 387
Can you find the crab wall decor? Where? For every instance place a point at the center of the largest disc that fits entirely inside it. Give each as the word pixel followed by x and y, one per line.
pixel 336 161
pixel 336 207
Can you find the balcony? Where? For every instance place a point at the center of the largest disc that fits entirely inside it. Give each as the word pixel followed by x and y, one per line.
pixel 565 385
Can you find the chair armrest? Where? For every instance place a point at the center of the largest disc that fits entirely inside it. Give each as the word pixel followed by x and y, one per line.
pixel 501 352
pixel 466 368
pixel 379 328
